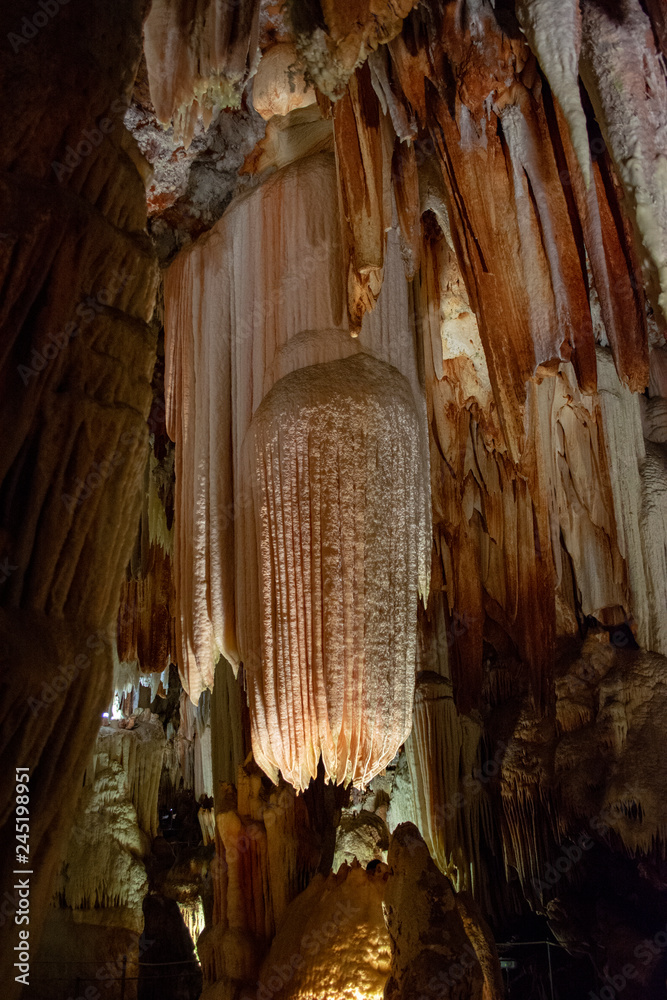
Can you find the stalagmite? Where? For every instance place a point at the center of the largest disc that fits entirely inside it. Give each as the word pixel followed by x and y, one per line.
pixel 428 936
pixel 258 872
pixel 332 939
pixel 226 725
pixel 407 545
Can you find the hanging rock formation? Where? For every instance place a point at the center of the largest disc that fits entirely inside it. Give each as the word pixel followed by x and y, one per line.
pixel 388 491
pixel 328 441
pixel 198 60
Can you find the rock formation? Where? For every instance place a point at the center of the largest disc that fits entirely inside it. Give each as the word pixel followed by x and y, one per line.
pixel 333 503
pixel 329 444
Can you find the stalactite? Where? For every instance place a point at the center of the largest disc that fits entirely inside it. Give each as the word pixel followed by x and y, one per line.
pixel 117 816
pixel 194 745
pixel 146 619
pixel 450 806
pixel 578 476
pixel 199 60
pixel 160 521
pixel 528 802
pixel 355 676
pixel 641 536
pixel 575 779
pixel 553 31
pixel 625 79
pixel 363 165
pixel 264 329
pixel 206 819
pixel 486 507
pixel 334 44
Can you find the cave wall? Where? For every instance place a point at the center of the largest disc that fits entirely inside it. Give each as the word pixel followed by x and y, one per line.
pixel 79 282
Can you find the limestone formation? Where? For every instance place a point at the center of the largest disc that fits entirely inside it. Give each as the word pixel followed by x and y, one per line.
pixel 79 281
pixel 333 555
pixel 199 59
pixel 433 946
pixel 332 940
pixel 348 462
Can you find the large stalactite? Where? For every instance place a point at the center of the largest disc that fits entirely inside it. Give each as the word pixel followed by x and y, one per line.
pixel 376 464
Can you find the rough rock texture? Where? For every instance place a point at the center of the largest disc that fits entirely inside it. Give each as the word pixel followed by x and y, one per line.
pixel 449 803
pixel 257 872
pixel 474 191
pixel 96 918
pixel 278 87
pixel 579 803
pixel 333 458
pixel 434 947
pixel 79 283
pixel 88 950
pixel 332 940
pixel 199 60
pixel 336 39
pixel 116 820
pixel 361 836
pixel 633 118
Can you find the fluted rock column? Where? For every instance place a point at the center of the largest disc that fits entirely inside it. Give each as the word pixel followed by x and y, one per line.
pixel 78 286
pixel 302 451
